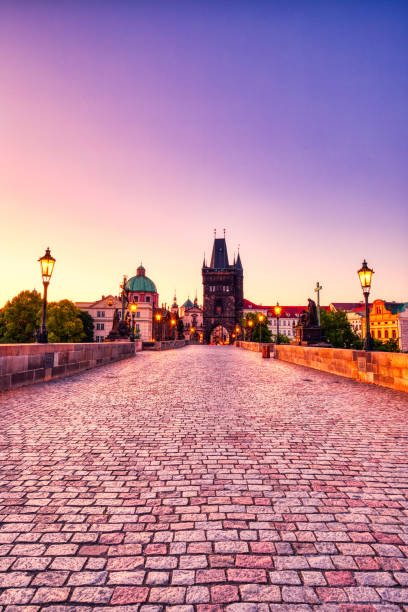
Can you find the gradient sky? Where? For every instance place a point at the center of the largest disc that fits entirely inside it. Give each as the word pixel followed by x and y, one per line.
pixel 130 130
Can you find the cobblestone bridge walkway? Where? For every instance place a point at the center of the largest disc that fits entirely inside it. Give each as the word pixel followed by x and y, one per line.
pixel 204 479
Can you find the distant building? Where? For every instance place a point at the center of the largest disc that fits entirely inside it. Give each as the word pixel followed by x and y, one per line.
pixel 141 289
pixel 192 316
pixel 287 321
pixel 223 294
pixel 388 320
pixel 102 312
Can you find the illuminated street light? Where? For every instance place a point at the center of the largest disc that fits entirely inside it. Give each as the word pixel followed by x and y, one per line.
pixel 133 308
pixel 365 274
pixel 47 265
pixel 261 318
pixel 278 311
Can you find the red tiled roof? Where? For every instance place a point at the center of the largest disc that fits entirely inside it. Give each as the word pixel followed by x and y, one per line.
pixel 347 306
pixel 291 310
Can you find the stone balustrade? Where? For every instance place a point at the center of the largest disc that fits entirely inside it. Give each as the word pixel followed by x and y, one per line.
pixel 381 368
pixel 24 364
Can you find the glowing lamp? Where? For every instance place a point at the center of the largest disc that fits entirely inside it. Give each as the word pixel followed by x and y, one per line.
pixel 261 317
pixel 133 307
pixel 250 323
pixel 192 330
pixel 173 321
pixel 277 310
pixel 47 265
pixel 365 273
pixel 158 317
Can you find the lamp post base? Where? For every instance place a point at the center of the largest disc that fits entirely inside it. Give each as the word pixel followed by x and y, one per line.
pixel 42 337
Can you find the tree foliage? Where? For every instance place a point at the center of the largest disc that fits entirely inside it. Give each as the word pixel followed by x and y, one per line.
pixel 88 325
pixel 20 318
pixel 64 322
pixel 390 346
pixel 258 331
pixel 337 329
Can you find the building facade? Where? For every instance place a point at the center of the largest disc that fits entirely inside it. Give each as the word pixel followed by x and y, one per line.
pixel 223 293
pixel 287 321
pixel 388 321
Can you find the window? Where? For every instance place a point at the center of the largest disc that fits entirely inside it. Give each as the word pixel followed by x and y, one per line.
pixel 147 298
pixel 135 298
pixel 103 313
pixel 379 333
pixel 137 326
pixel 100 326
pixel 138 315
pixel 378 309
pixel 394 333
pixel 98 314
pixel 386 333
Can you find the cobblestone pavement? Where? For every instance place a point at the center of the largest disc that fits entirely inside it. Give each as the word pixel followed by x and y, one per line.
pixel 204 479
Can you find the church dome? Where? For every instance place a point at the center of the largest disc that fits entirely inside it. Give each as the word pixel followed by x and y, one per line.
pixel 141 282
pixel 188 304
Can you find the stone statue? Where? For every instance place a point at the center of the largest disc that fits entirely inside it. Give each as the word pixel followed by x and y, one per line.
pixel 308 330
pixel 312 311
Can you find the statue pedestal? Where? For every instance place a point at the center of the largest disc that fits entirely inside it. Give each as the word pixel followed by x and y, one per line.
pixel 309 335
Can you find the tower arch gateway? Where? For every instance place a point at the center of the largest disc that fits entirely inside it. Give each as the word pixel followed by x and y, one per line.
pixel 223 291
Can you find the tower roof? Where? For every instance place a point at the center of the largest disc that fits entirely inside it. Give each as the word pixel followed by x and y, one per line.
pixel 219 257
pixel 141 282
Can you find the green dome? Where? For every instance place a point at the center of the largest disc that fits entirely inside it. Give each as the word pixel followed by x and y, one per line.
pixel 188 304
pixel 141 283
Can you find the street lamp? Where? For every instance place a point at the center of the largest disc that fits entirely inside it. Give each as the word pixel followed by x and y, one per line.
pixel 158 319
pixel 47 265
pixel 365 273
pixel 173 324
pixel 250 324
pixel 237 331
pixel 278 311
pixel 260 319
pixel 133 308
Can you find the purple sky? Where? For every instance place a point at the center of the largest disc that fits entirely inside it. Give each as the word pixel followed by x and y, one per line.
pixel 130 130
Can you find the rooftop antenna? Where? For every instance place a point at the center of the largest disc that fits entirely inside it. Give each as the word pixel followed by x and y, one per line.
pixel 215 232
pixel 224 232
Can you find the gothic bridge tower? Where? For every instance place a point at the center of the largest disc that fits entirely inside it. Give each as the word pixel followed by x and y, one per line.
pixel 223 288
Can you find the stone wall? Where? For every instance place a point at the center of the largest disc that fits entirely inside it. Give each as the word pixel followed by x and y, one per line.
pixel 253 346
pixel 169 344
pixel 380 368
pixel 24 364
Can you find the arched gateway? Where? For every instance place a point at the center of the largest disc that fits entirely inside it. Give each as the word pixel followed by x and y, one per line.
pixel 223 288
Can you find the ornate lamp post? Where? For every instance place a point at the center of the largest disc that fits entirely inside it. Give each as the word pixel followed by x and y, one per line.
pixel 318 289
pixel 237 331
pixel 261 318
pixel 173 326
pixel 278 311
pixel 47 265
pixel 365 273
pixel 133 308
pixel 250 324
pixel 158 319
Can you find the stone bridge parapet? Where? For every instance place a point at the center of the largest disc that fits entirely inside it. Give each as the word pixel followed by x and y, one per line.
pixel 24 364
pixel 381 368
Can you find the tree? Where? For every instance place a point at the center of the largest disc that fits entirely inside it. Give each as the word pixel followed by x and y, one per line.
pixel 282 339
pixel 88 325
pixel 20 318
pixel 64 322
pixel 180 329
pixel 390 346
pixel 337 329
pixel 254 333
